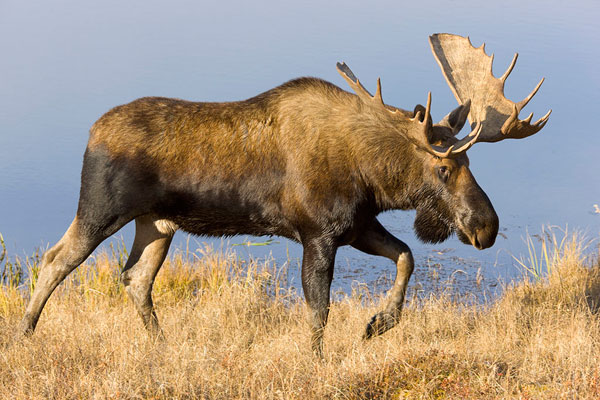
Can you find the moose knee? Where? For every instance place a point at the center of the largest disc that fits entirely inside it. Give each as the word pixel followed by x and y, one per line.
pixel 405 262
pixel 137 286
pixel 133 281
pixel 50 255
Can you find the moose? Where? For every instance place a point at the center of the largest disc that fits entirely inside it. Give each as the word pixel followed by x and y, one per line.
pixel 307 161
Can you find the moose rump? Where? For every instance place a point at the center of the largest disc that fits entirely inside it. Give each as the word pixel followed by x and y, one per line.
pixel 175 160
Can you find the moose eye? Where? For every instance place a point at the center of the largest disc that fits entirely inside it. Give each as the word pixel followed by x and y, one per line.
pixel 443 173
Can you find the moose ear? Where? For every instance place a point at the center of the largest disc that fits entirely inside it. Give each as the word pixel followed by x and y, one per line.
pixel 455 120
pixel 419 109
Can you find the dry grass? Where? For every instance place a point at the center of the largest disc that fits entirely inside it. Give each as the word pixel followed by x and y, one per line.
pixel 233 330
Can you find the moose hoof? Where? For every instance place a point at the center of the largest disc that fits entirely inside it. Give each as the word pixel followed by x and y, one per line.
pixel 380 323
pixel 24 330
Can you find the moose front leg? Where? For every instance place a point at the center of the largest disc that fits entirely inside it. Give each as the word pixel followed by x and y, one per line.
pixel 317 272
pixel 377 240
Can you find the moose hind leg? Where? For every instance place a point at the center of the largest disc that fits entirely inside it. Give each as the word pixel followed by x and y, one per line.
pixel 150 247
pixel 70 251
pixel 377 240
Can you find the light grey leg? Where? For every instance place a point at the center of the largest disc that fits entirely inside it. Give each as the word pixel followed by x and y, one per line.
pixel 70 251
pixel 150 247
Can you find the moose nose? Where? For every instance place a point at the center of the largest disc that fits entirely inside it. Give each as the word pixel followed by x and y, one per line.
pixel 483 240
pixel 486 236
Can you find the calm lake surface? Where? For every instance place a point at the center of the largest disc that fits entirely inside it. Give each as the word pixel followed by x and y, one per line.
pixel 65 63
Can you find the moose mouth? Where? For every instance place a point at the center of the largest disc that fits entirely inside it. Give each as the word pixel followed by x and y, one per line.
pixel 465 238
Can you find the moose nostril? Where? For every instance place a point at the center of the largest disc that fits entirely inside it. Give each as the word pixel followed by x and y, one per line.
pixel 483 239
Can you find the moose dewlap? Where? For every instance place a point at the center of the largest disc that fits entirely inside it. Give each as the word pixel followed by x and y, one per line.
pixel 305 160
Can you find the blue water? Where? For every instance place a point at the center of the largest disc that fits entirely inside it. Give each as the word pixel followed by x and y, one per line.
pixel 64 63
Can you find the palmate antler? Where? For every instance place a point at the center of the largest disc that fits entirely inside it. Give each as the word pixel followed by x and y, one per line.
pixel 420 124
pixel 468 71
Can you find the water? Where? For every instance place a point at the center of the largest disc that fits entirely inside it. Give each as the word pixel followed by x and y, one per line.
pixel 65 63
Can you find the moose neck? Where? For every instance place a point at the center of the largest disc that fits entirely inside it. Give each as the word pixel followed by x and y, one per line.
pixel 392 169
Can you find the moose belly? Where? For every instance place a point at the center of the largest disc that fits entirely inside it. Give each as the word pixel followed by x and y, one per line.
pixel 224 210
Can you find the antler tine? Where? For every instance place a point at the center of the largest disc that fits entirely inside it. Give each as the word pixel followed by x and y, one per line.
pixel 514 115
pixel 427 109
pixel 419 136
pixel 378 96
pixel 360 90
pixel 417 116
pixel 543 120
pixel 510 68
pixel 540 123
pixel 460 147
pixel 352 80
pixel 524 102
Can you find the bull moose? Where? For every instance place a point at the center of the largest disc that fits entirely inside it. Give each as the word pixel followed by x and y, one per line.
pixel 305 160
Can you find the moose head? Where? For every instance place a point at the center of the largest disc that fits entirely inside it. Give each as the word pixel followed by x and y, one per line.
pixel 450 200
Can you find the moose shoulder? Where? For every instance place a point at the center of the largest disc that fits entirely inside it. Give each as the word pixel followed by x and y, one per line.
pixel 306 160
